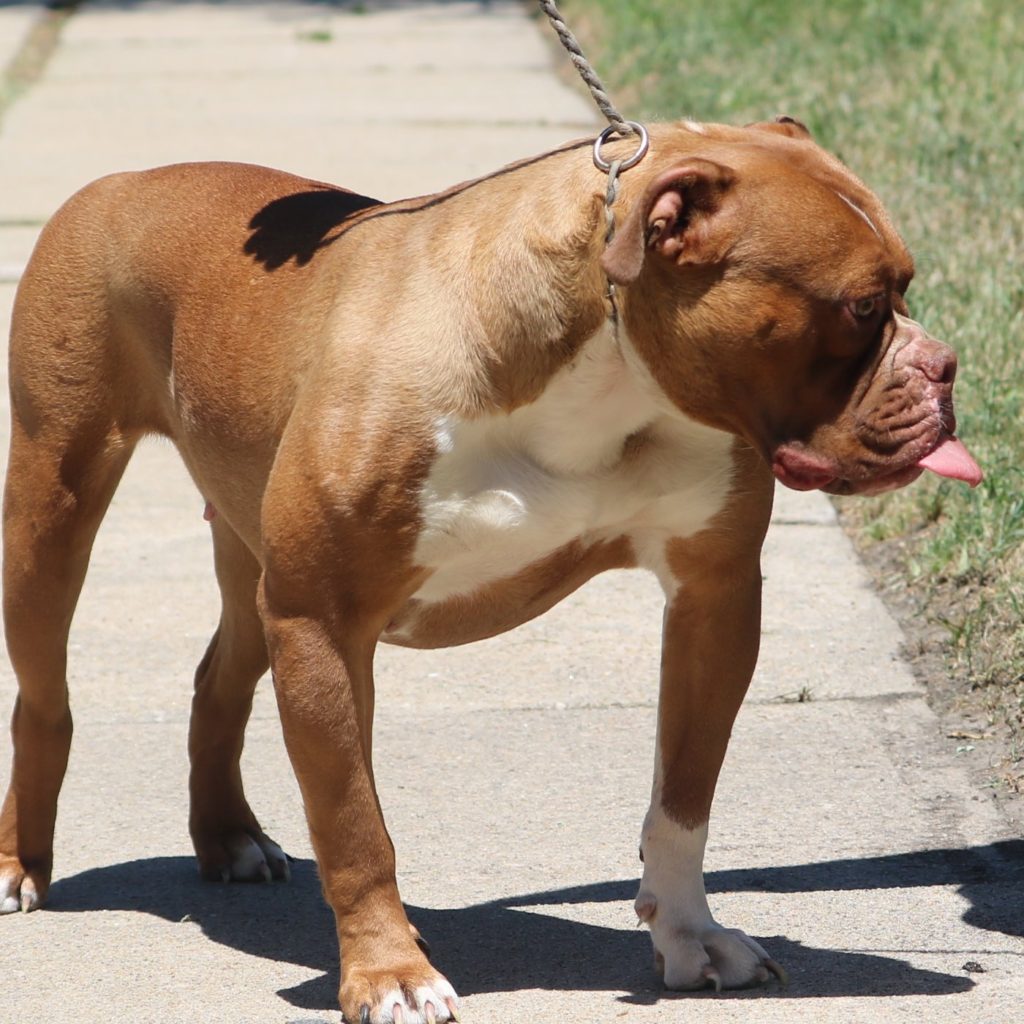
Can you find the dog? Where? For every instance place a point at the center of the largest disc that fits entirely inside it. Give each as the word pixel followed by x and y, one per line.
pixel 427 422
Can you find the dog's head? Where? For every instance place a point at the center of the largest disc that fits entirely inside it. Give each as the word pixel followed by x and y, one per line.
pixel 763 286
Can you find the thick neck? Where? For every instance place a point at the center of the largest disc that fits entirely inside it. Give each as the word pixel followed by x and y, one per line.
pixel 532 274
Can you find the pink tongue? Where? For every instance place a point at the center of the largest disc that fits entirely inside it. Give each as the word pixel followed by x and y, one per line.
pixel 952 459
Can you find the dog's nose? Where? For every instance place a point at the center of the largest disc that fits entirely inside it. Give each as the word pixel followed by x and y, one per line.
pixel 939 365
pixel 918 350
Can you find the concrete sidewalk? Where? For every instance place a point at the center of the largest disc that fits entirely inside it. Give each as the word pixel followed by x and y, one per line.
pixel 514 773
pixel 16 22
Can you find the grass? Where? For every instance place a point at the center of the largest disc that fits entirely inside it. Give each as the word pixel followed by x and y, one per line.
pixel 316 35
pixel 30 58
pixel 925 100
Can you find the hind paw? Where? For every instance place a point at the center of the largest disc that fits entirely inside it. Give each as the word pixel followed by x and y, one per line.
pixel 242 856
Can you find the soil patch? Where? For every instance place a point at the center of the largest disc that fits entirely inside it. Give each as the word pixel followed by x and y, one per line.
pixel 979 723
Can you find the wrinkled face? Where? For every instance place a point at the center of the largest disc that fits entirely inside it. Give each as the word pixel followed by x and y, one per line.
pixel 868 432
pixel 766 295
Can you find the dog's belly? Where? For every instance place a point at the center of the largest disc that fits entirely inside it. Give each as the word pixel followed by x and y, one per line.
pixel 504 603
pixel 505 538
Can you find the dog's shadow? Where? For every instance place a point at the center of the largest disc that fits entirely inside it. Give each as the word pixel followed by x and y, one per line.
pixel 512 944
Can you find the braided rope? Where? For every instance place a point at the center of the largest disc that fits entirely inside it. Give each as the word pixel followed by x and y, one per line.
pixel 587 73
pixel 609 200
pixel 609 233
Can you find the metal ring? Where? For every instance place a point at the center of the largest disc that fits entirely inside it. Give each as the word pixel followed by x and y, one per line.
pixel 641 149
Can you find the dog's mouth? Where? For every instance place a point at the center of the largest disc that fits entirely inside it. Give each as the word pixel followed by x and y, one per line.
pixel 803 470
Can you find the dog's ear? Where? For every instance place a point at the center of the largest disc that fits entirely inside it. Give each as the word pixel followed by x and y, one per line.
pixel 793 128
pixel 784 125
pixel 675 219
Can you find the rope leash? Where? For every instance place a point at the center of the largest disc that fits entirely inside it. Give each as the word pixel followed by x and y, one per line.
pixel 618 127
pixel 587 73
pixel 611 194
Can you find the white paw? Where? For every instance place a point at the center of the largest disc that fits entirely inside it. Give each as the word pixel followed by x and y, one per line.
pixel 691 949
pixel 435 1003
pixel 712 957
pixel 18 892
pixel 429 1004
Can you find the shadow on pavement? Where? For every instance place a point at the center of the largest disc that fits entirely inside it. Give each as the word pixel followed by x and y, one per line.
pixel 507 945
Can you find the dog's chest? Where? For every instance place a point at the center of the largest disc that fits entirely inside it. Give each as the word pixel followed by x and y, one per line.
pixel 523 499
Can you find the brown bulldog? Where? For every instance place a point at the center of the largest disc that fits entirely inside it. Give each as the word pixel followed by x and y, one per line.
pixel 427 422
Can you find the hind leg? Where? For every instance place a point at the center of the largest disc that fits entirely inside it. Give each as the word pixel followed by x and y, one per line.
pixel 59 483
pixel 228 840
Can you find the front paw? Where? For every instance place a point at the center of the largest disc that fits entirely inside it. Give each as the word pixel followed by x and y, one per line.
pixel 720 957
pixel 20 888
pixel 408 993
pixel 707 955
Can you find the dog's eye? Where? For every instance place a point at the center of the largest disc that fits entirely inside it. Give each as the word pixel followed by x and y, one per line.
pixel 863 308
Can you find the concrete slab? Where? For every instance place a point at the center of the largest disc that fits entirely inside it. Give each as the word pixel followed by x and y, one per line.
pixel 374 159
pixel 385 104
pixel 514 773
pixel 795 507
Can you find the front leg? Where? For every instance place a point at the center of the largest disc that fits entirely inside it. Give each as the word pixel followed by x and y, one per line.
pixel 324 690
pixel 336 565
pixel 709 649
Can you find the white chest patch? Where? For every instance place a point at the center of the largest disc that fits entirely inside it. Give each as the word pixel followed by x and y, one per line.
pixel 508 489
